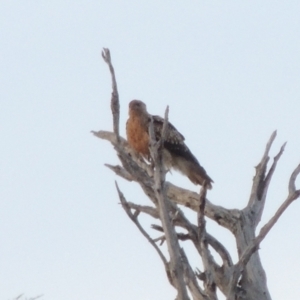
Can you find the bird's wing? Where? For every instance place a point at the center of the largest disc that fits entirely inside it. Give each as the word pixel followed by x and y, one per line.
pixel 172 133
pixel 174 141
pixel 182 158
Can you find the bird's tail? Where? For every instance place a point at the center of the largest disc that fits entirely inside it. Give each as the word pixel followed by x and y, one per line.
pixel 192 169
pixel 198 175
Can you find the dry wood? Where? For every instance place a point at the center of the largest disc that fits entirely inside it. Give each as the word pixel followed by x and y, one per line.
pixel 245 279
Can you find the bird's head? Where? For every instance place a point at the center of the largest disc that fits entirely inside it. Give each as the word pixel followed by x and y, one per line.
pixel 137 107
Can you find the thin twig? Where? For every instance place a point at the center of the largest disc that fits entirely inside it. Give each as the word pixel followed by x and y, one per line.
pixel 114 104
pixel 273 167
pixel 36 297
pixel 220 249
pixel 139 226
pixel 124 150
pixel 258 181
pixel 270 142
pixel 191 279
pixel 120 171
pixel 164 132
pixel 292 182
pixel 181 236
pixel 149 210
pixel 109 136
pixel 258 206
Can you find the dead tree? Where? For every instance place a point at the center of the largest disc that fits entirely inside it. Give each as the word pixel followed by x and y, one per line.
pixel 245 279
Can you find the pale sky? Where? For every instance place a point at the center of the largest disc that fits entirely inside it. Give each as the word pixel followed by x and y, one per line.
pixel 230 72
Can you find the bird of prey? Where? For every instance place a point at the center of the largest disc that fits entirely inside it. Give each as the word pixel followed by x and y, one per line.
pixel 176 154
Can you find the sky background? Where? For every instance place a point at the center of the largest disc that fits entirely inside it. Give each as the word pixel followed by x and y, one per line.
pixel 230 72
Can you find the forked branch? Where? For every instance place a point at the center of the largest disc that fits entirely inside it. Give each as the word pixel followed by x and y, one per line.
pixel 254 245
pixel 134 219
pixel 166 199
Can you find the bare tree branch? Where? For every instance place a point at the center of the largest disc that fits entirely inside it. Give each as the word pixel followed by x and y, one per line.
pixel 220 249
pixel 201 210
pixel 210 286
pixel 111 137
pixel 293 195
pixel 292 183
pixel 258 181
pixel 127 153
pixel 149 210
pixel 219 273
pixel 164 132
pixel 258 203
pixel 114 104
pixel 273 167
pixel 224 217
pixel 176 267
pixel 31 298
pixel 161 239
pixel 244 259
pixel 191 280
pixel 134 219
pixel 180 220
pixel 120 171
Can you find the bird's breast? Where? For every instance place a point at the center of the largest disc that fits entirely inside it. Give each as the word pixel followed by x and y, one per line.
pixel 137 135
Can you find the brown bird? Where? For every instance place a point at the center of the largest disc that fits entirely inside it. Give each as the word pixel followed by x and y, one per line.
pixel 176 154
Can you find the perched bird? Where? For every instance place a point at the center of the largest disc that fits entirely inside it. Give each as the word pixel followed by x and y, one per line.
pixel 176 154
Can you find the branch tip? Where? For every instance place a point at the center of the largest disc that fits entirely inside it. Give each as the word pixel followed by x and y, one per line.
pixel 106 55
pixel 120 171
pixel 167 112
pixel 270 142
pixel 292 184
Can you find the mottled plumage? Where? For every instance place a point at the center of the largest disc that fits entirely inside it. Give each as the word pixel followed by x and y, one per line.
pixel 176 153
